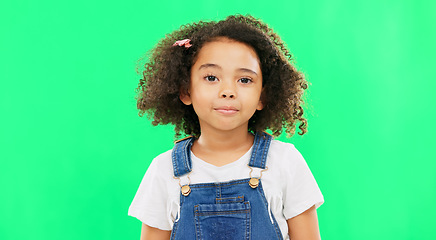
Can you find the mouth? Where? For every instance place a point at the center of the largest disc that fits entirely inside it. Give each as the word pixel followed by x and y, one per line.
pixel 226 110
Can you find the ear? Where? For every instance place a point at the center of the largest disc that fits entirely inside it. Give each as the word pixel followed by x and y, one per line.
pixel 260 103
pixel 185 98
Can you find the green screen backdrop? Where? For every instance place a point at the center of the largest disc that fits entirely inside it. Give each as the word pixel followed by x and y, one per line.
pixel 73 149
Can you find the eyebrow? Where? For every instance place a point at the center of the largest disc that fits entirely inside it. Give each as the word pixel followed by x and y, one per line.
pixel 212 65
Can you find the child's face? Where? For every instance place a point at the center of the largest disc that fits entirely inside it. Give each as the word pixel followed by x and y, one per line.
pixel 225 87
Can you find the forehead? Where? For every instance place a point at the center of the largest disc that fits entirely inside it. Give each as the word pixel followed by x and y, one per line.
pixel 227 52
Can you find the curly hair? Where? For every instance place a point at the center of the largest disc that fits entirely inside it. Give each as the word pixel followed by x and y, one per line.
pixel 167 73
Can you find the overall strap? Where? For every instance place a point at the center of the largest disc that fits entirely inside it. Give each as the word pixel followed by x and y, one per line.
pixel 181 156
pixel 262 140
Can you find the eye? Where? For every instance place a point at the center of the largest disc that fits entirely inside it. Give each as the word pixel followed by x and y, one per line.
pixel 245 80
pixel 211 78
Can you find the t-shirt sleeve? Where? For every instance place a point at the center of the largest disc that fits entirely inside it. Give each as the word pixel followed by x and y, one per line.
pixel 301 191
pixel 150 202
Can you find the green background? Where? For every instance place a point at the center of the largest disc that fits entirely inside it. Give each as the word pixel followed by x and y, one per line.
pixel 73 149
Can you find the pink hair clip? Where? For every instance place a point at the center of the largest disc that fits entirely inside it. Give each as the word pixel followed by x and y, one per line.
pixel 184 42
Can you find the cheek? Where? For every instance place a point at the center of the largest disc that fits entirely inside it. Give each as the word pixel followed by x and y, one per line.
pixel 201 97
pixel 203 92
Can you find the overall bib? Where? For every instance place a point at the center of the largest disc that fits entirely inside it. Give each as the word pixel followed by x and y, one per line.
pixel 225 210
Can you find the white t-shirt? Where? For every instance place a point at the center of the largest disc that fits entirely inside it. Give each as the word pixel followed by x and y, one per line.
pixel 289 185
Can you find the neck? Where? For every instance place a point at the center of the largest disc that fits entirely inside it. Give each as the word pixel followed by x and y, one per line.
pixel 225 141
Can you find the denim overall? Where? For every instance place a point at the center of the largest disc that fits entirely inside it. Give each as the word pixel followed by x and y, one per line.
pixel 225 210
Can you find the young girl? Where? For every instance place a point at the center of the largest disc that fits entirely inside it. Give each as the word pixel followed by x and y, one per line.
pixel 223 84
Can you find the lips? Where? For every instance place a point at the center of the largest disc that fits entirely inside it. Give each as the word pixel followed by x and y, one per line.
pixel 226 110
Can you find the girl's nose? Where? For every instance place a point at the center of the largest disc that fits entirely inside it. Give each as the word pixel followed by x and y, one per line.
pixel 227 89
pixel 227 95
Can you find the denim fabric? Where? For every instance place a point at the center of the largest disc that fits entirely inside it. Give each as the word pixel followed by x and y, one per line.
pixel 224 210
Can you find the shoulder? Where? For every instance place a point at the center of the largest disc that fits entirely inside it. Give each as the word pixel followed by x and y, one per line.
pixel 158 176
pixel 283 150
pixel 285 157
pixel 163 157
pixel 277 145
pixel 161 165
